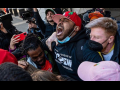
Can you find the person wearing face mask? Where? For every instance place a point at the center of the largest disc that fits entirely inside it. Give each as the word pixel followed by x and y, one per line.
pixel 71 37
pixel 104 43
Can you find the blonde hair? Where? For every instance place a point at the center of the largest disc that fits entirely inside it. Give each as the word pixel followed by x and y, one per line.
pixel 42 75
pixel 106 23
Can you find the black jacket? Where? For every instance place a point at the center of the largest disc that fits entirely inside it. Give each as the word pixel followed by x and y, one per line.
pixel 93 56
pixel 118 27
pixel 46 28
pixel 5 38
pixel 68 56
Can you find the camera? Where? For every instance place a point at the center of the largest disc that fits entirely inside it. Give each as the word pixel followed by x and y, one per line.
pixel 26 15
pixel 100 10
pixel 6 17
pixel 6 20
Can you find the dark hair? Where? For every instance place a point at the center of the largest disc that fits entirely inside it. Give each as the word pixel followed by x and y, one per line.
pixel 31 42
pixel 67 78
pixel 12 72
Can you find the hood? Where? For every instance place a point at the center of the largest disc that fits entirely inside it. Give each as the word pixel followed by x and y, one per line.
pixel 80 35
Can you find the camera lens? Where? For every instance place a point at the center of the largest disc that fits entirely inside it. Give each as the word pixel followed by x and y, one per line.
pixel 24 33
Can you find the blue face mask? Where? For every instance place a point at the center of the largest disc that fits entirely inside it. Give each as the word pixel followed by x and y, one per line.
pixel 66 39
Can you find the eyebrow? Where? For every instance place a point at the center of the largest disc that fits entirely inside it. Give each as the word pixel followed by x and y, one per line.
pixel 95 36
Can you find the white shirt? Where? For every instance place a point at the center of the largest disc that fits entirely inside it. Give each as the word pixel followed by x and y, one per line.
pixel 108 56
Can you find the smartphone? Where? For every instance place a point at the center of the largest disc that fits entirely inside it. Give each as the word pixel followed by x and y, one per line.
pixel 100 10
pixel 22 36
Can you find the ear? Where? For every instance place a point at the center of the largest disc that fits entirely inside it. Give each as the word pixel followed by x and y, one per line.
pixel 1 23
pixel 77 28
pixel 111 39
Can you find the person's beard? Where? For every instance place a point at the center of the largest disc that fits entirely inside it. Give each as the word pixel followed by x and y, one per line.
pixel 44 60
pixel 50 20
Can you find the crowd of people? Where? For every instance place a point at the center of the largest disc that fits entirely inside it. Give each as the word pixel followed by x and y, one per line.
pixel 62 48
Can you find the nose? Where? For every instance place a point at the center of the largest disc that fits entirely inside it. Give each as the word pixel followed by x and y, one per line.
pixel 39 59
pixel 60 21
pixel 50 15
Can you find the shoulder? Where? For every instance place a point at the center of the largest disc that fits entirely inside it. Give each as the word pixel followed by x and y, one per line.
pixel 2 35
pixel 45 22
pixel 79 48
pixel 81 43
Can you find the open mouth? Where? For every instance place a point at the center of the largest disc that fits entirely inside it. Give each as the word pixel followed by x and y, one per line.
pixel 59 30
pixel 41 61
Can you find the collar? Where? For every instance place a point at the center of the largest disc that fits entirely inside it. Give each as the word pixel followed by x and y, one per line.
pixel 107 53
pixel 111 48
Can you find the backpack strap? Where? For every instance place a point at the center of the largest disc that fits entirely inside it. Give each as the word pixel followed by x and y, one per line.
pixel 52 61
pixel 49 56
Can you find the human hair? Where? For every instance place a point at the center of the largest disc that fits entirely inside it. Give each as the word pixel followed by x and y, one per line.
pixel 43 75
pixel 106 23
pixel 12 72
pixel 31 42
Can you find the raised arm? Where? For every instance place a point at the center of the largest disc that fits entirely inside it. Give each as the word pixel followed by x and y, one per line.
pixel 39 20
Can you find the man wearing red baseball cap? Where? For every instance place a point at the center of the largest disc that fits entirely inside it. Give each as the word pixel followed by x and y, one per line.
pixel 71 37
pixel 64 34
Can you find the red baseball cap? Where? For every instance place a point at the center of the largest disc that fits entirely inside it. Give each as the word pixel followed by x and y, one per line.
pixel 6 56
pixel 69 15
